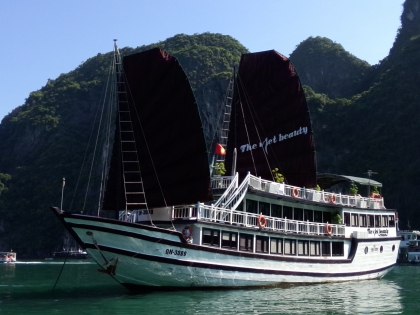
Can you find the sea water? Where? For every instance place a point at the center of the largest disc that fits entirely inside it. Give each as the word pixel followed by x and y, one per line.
pixel 76 287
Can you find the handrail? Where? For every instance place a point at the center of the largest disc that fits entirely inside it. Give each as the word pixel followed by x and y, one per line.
pixel 233 185
pixel 316 195
pixel 222 215
pixel 240 192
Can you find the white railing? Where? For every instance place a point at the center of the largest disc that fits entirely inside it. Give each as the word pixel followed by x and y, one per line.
pixel 202 212
pixel 235 199
pixel 217 182
pixel 129 216
pixel 315 195
pixel 222 182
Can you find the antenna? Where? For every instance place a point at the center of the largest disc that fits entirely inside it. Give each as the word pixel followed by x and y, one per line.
pixel 369 174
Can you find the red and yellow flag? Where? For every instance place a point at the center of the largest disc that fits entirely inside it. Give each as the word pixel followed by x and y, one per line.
pixel 220 150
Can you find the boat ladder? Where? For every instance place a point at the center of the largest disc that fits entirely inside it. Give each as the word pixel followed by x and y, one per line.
pixel 133 184
pixel 224 131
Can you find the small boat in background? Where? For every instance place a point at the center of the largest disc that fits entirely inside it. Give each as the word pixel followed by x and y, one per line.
pixel 409 249
pixel 7 257
pixel 71 254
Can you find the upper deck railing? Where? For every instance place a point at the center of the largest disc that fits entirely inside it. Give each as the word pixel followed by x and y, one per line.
pixel 322 196
pixel 202 212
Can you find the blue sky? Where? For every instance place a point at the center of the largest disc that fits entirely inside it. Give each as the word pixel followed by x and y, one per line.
pixel 42 39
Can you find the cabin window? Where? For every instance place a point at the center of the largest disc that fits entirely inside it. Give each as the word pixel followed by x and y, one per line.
pixel 298 215
pixel 315 248
pixel 264 208
pixel 261 244
pixel 337 248
pixel 363 220
pixel 370 220
pixel 287 212
pixel 229 240
pixel 251 206
pixel 246 242
pixel 276 211
pixel 384 220
pixel 347 218
pixel 289 247
pixel 326 249
pixel 318 216
pixel 377 221
pixel 391 220
pixel 308 215
pixel 276 246
pixel 303 248
pixel 211 237
pixel 408 237
pixel 354 219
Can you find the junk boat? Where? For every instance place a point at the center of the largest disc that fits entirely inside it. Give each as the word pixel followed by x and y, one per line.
pixel 271 220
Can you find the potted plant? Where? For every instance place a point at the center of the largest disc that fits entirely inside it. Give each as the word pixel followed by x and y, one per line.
pixel 219 168
pixel 353 189
pixel 278 177
pixel 336 218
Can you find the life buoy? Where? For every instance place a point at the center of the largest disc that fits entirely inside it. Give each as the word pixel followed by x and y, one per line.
pixel 295 192
pixel 328 229
pixel 262 221
pixel 187 233
pixel 332 198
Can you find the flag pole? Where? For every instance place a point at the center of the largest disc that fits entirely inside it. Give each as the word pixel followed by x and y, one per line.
pixel 62 193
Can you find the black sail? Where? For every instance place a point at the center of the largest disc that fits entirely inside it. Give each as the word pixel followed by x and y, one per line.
pixel 168 134
pixel 270 124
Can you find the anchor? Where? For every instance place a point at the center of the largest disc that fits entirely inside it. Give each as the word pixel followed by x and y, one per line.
pixel 107 266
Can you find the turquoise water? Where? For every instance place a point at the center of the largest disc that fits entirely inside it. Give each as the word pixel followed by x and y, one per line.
pixel 27 288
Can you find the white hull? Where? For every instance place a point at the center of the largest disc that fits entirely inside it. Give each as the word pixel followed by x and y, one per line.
pixel 143 256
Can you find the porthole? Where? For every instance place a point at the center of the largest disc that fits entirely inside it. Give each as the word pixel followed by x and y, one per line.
pixel 381 249
pixel 366 250
pixel 393 247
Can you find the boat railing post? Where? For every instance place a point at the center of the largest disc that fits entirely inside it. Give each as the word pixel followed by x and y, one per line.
pixel 198 211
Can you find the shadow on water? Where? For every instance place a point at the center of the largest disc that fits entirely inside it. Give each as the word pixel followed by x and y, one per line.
pixel 27 289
